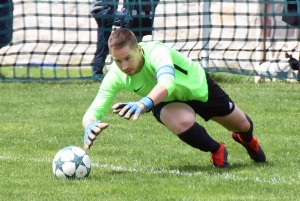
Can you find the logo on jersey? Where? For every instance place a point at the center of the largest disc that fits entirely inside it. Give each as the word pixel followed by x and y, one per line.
pixel 136 90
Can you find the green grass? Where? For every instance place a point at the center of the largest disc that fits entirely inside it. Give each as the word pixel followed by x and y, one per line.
pixel 38 74
pixel 143 160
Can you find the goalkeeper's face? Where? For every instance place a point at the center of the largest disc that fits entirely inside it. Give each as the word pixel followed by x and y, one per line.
pixel 129 60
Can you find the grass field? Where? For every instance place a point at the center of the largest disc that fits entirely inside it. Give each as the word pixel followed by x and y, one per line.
pixel 143 160
pixel 48 74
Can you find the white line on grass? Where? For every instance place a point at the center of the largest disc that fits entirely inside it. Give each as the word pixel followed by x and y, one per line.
pixel 229 176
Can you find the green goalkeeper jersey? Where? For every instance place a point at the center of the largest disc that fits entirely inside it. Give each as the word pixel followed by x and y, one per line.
pixel 184 79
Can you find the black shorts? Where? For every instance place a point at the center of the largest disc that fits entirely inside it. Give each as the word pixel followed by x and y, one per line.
pixel 218 103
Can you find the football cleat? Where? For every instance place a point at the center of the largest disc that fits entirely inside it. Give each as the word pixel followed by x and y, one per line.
pixel 219 158
pixel 254 150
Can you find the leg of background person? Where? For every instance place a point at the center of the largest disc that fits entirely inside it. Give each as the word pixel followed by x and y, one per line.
pixel 102 48
pixel 105 16
pixel 6 24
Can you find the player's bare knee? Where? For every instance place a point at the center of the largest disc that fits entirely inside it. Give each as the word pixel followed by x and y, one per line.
pixel 183 126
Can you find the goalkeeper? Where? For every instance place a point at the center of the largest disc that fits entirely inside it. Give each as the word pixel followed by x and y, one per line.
pixel 136 15
pixel 175 89
pixel 6 22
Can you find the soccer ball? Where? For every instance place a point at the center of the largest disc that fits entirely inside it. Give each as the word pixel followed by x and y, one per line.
pixel 71 163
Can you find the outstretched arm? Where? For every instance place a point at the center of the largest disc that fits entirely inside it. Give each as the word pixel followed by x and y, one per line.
pixel 102 102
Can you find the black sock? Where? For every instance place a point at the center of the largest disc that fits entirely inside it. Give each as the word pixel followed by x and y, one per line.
pixel 197 137
pixel 247 136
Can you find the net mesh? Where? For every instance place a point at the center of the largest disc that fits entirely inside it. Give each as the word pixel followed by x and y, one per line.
pixel 56 40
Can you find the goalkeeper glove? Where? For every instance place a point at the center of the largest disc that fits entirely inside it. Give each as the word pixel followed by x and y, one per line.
pixel 91 131
pixel 134 109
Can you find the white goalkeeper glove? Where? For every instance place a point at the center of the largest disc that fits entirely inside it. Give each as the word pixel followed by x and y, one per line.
pixel 134 109
pixel 91 131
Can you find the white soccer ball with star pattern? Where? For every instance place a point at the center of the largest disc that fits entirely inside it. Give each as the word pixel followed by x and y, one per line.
pixel 71 163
